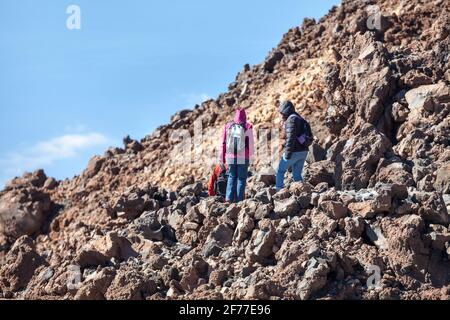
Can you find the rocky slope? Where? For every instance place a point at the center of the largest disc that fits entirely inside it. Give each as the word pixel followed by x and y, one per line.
pixel 373 79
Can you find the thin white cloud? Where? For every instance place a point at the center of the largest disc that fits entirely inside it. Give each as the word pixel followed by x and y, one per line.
pixel 79 128
pixel 46 153
pixel 193 99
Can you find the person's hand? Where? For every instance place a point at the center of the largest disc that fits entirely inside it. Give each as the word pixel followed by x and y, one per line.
pixel 286 157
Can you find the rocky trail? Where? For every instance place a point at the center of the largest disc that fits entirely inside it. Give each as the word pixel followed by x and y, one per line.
pixel 371 220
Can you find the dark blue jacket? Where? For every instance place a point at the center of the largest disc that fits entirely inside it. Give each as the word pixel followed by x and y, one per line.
pixel 294 127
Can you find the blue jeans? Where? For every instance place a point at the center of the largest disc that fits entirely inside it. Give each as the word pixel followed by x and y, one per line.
pixel 237 179
pixel 297 161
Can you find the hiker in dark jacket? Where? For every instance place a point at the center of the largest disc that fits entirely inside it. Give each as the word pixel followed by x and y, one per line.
pixel 298 138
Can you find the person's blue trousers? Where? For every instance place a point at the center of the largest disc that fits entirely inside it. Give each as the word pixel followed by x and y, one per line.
pixel 297 162
pixel 237 180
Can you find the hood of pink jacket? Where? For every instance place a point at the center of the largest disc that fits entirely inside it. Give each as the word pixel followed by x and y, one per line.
pixel 240 117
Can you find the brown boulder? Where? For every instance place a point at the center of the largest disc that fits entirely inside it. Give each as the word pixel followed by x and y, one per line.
pixel 407 253
pixel 363 209
pixel 23 212
pixel 93 167
pixel 95 287
pixel 319 172
pixel 314 279
pixel 442 182
pixel 425 97
pixel 99 252
pixel 359 158
pixel 130 284
pixel 392 171
pixel 20 265
pixel 262 242
pixel 334 209
pixel 287 207
pixel 432 207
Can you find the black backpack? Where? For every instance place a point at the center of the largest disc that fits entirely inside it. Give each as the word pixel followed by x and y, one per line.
pixel 220 187
pixel 307 138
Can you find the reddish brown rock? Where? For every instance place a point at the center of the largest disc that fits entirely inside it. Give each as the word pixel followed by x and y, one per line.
pixel 23 212
pixel 130 285
pixel 100 251
pixel 96 286
pixel 20 265
pixel 334 209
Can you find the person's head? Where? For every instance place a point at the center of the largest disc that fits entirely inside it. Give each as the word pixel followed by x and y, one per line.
pixel 286 109
pixel 240 117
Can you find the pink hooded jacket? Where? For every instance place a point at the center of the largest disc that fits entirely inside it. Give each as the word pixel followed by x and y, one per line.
pixel 240 118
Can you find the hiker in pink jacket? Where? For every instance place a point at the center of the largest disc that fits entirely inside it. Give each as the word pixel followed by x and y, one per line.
pixel 237 151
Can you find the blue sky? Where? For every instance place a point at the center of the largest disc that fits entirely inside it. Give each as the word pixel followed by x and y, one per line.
pixel 68 94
